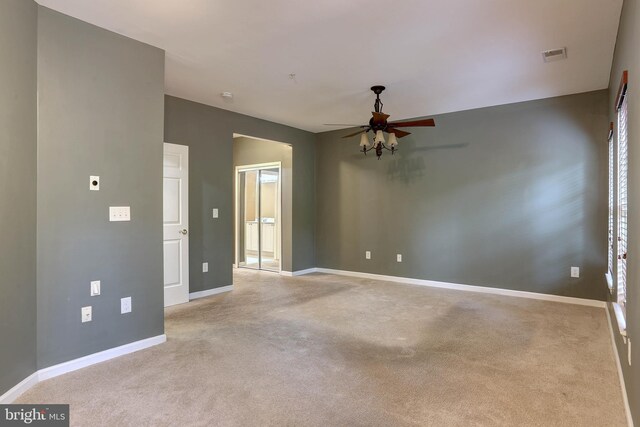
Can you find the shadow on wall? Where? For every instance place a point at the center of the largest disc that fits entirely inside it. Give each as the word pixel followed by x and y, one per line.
pixel 407 166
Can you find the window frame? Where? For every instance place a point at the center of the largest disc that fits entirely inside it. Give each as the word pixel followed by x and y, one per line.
pixel 622 181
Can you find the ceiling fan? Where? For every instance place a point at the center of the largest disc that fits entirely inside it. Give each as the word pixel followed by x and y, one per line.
pixel 379 124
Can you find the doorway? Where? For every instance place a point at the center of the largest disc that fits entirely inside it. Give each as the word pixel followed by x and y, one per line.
pixel 258 222
pixel 175 216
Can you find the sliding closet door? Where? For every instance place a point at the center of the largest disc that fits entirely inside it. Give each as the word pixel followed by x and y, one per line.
pixel 269 211
pixel 258 221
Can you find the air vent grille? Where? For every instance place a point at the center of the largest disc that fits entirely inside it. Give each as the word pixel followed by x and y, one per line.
pixel 554 54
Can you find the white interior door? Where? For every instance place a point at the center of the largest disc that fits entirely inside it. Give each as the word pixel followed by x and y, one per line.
pixel 176 223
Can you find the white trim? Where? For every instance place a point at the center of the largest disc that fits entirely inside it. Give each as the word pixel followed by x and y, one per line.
pixel 92 359
pixel 75 364
pixel 209 292
pixel 616 355
pixel 469 288
pixel 299 272
pixel 303 272
pixel 19 388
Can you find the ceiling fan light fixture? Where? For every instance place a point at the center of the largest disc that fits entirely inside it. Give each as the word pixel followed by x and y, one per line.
pixel 393 141
pixel 379 137
pixel 364 140
pixel 378 124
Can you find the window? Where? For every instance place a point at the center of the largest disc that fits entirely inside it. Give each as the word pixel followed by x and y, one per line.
pixel 621 106
pixel 610 241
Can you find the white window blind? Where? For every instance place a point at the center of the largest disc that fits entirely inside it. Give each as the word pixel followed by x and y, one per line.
pixel 622 205
pixel 611 207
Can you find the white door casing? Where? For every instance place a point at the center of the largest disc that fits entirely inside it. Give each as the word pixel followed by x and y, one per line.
pixel 176 223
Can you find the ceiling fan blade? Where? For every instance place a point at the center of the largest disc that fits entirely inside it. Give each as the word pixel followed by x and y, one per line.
pixel 399 133
pixel 354 134
pixel 379 117
pixel 425 122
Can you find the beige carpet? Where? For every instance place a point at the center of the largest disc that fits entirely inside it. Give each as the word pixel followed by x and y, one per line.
pixel 324 350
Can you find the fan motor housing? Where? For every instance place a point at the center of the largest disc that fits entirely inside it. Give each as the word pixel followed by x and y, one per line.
pixel 377 126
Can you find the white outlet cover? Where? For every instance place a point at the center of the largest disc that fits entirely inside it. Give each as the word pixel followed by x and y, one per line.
pixel 575 272
pixel 119 213
pixel 125 305
pixel 86 314
pixel 95 288
pixel 94 183
pixel 399 257
pixel 215 213
pixel 205 267
pixel 367 254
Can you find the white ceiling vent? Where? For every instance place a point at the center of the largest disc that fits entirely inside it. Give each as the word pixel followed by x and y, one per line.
pixel 554 54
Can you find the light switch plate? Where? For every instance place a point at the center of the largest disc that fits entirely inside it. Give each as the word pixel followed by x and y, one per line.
pixel 95 288
pixel 399 257
pixel 94 183
pixel 125 305
pixel 86 314
pixel 119 213
pixel 575 272
pixel 367 255
pixel 215 213
pixel 205 267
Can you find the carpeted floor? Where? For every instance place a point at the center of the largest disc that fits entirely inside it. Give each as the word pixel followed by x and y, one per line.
pixel 323 350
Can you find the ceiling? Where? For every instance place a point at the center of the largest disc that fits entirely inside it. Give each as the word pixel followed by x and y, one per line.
pixel 434 56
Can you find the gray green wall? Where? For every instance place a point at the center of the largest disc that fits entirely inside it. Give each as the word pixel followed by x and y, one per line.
pixel 249 151
pixel 627 57
pixel 101 104
pixel 509 196
pixel 208 131
pixel 18 19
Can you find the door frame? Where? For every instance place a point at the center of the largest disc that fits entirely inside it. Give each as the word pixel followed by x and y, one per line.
pixel 245 168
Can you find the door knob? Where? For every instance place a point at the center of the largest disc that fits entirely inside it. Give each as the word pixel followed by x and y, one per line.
pixel 183 231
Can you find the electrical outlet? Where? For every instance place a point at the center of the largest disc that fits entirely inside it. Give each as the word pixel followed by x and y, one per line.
pixel 95 288
pixel 125 305
pixel 575 272
pixel 86 314
pixel 215 213
pixel 94 183
pixel 367 255
pixel 205 267
pixel 399 257
pixel 119 213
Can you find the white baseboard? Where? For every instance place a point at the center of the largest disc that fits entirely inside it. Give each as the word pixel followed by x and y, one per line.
pixel 75 364
pixel 299 272
pixel 19 388
pixel 616 356
pixel 209 292
pixel 92 359
pixel 468 288
pixel 303 272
